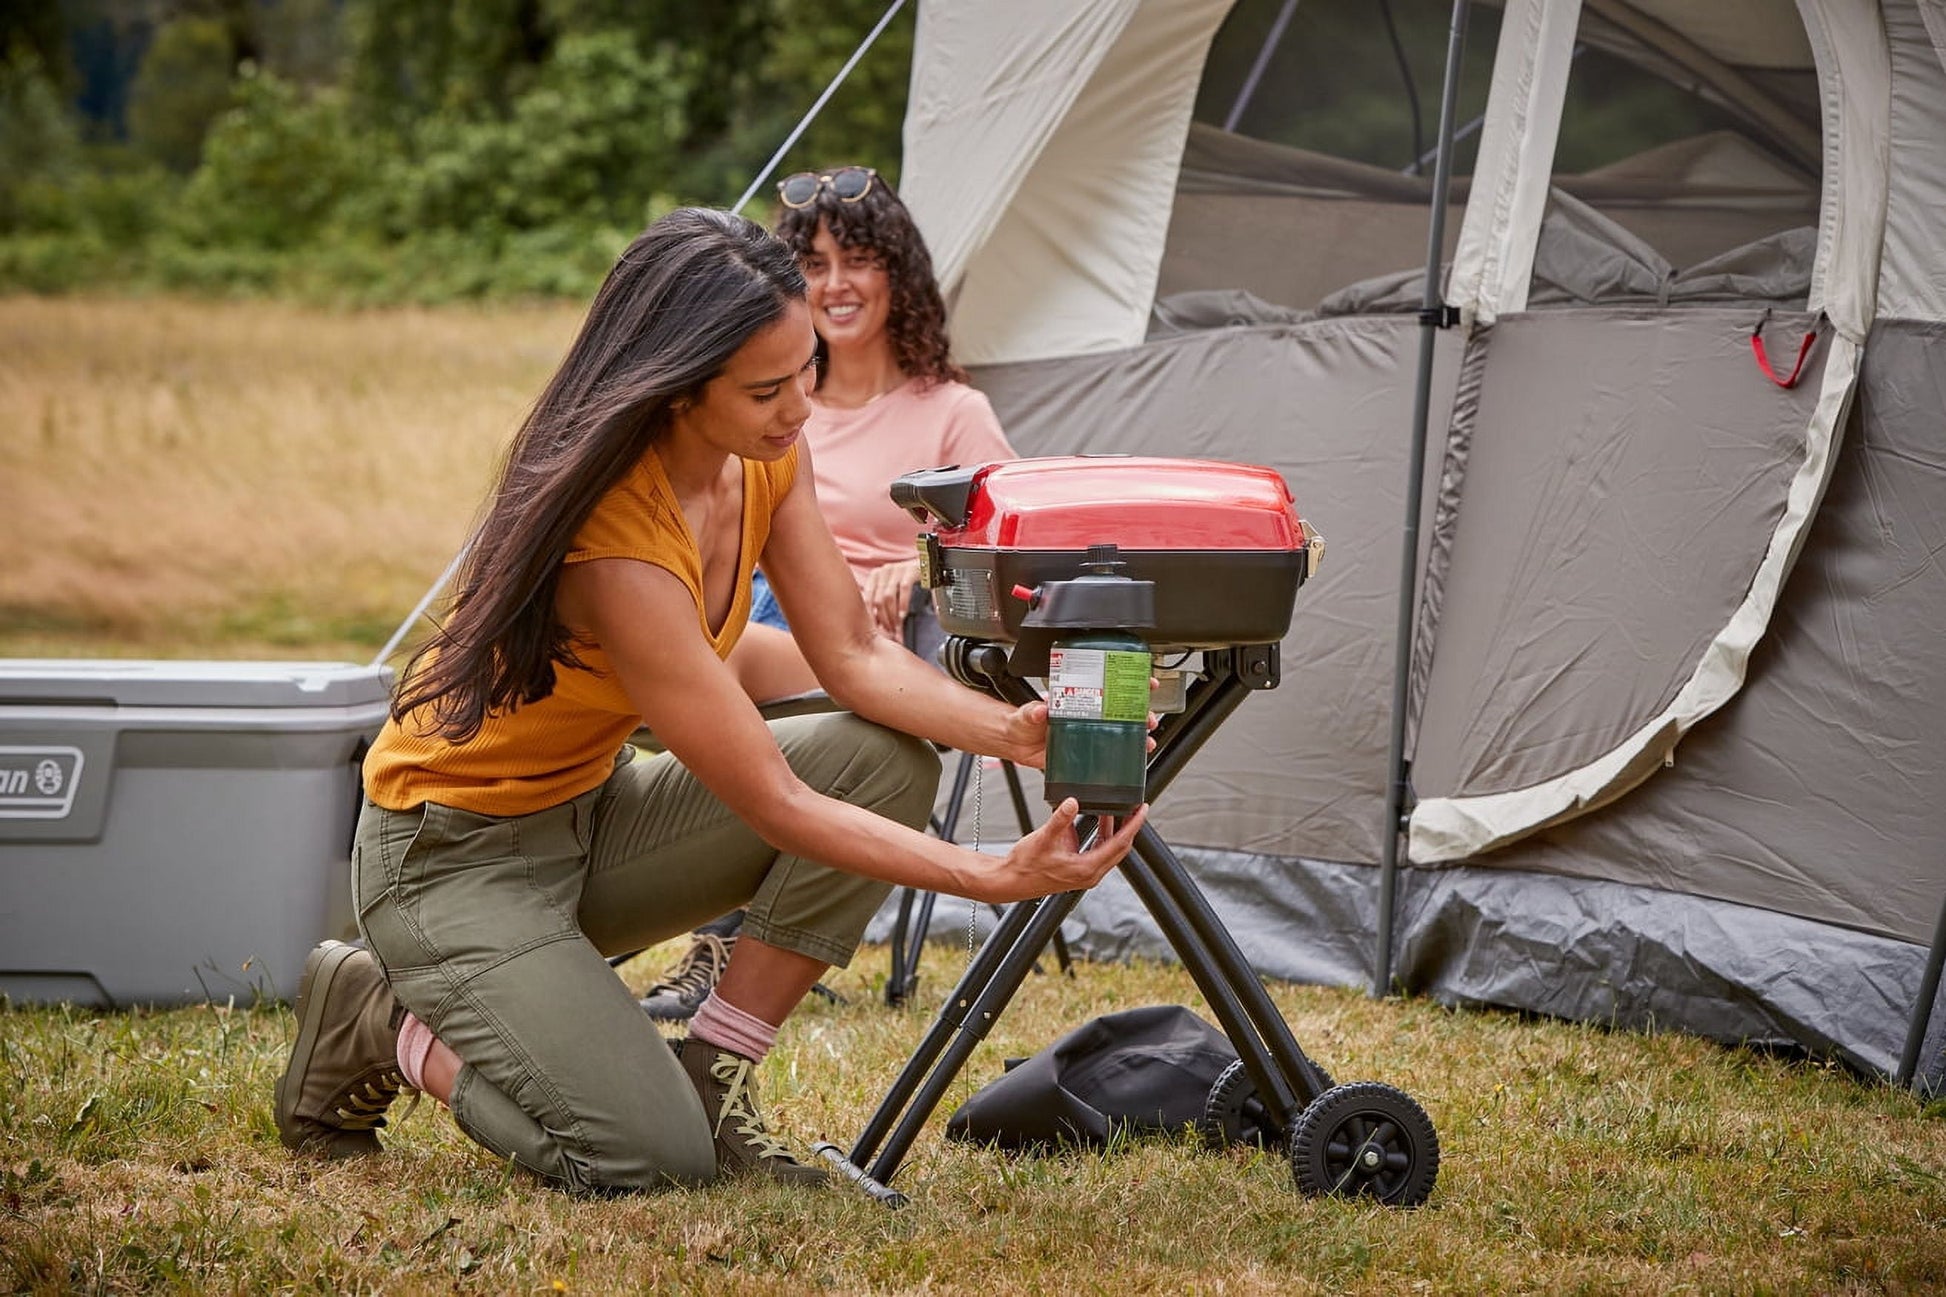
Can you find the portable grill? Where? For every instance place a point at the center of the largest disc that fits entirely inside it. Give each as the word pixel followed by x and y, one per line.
pixel 1201 562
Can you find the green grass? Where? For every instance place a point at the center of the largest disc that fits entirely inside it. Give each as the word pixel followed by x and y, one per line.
pixel 137 1153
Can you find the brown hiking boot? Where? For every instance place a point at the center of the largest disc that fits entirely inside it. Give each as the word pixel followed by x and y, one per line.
pixel 681 991
pixel 727 1085
pixel 344 1067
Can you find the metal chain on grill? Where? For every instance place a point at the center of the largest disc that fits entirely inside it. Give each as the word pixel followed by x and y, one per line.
pixel 972 906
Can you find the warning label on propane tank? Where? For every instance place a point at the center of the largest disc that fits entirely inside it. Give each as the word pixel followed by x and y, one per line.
pixel 1098 685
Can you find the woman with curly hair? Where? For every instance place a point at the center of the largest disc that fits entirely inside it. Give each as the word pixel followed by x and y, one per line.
pixel 888 400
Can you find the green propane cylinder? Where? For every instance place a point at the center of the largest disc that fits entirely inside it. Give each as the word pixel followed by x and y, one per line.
pixel 1098 720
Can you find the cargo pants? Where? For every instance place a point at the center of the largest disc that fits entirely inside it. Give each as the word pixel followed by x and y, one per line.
pixel 496 932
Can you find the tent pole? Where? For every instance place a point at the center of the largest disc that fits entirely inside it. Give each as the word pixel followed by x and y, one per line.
pixel 1915 1037
pixel 1269 47
pixel 810 114
pixel 1433 316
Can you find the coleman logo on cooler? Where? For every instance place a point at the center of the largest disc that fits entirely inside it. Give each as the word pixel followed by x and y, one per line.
pixel 38 783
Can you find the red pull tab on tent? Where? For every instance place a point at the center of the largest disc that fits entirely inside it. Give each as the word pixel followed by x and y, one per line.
pixel 1763 357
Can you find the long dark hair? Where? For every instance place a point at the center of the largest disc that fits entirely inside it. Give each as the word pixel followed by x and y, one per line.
pixel 880 224
pixel 687 293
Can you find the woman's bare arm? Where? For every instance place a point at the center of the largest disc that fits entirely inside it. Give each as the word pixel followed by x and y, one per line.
pixel 861 669
pixel 645 619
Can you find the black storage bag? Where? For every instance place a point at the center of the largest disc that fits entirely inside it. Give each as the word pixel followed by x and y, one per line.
pixel 1146 1070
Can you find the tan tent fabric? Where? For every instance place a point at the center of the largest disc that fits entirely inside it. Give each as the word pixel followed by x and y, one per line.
pixel 1912 283
pixel 1854 72
pixel 1071 266
pixel 1042 144
pixel 1495 256
pixel 1743 33
pixel 990 84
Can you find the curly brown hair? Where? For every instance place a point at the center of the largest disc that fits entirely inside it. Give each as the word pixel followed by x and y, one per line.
pixel 880 224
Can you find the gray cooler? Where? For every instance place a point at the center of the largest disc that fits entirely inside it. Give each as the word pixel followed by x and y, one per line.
pixel 175 831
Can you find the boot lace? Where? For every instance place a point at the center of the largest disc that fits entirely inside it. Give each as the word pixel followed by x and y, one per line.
pixel 696 973
pixel 740 1107
pixel 363 1106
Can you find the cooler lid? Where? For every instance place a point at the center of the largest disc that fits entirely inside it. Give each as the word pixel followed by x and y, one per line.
pixel 108 682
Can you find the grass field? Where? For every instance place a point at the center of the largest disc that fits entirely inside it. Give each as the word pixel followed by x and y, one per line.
pixel 241 480
pixel 137 1153
pixel 208 480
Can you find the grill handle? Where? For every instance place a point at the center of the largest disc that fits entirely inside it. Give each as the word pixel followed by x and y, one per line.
pixel 937 495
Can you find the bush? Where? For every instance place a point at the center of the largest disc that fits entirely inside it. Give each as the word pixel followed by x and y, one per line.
pixel 591 142
pixel 55 263
pixel 38 143
pixel 183 86
pixel 275 169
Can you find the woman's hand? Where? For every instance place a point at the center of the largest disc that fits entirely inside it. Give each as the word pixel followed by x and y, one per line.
pixel 1050 859
pixel 1025 740
pixel 888 595
pixel 1026 735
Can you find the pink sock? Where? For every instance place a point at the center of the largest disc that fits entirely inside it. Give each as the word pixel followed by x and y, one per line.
pixel 415 1042
pixel 725 1026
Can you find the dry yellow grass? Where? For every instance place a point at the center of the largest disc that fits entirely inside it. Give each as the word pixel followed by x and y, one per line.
pixel 243 479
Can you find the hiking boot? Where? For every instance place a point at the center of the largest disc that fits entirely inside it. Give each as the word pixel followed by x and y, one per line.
pixel 727 1085
pixel 682 990
pixel 344 1066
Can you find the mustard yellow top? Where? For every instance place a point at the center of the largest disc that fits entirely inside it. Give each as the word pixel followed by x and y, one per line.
pixel 544 753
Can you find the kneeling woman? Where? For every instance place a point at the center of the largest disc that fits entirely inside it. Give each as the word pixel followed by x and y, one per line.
pixel 512 841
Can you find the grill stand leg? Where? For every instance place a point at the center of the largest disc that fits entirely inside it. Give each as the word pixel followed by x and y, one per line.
pixel 1285 1078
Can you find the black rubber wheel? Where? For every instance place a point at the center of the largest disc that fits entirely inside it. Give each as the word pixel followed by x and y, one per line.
pixel 1365 1139
pixel 1233 1114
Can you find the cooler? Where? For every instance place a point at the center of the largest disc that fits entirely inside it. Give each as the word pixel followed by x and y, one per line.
pixel 175 831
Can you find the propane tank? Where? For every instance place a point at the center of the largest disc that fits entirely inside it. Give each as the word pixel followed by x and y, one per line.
pixel 1097 684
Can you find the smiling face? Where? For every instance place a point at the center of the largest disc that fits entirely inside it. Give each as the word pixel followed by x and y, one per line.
pixel 756 408
pixel 850 293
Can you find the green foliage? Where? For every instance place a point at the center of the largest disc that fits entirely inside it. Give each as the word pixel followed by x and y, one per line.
pixel 38 142
pixel 387 150
pixel 34 29
pixel 183 86
pixel 590 141
pixel 274 169
pixel 305 43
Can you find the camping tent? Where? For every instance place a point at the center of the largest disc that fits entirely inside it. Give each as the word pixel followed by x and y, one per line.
pixel 1676 720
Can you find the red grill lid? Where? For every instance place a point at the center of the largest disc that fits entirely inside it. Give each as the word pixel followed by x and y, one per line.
pixel 1136 502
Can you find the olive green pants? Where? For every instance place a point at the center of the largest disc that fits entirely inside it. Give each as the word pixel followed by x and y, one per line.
pixel 495 933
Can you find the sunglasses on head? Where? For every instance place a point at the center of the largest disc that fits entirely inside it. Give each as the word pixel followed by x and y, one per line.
pixel 847 185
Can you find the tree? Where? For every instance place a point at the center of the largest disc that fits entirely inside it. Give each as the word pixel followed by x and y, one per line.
pixel 183 85
pixel 37 136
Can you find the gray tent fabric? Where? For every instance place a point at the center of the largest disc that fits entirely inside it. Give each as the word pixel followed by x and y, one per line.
pixel 1821 790
pixel 1583 258
pixel 1625 477
pixel 1644 959
pixel 1290 225
pixel 1217 308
